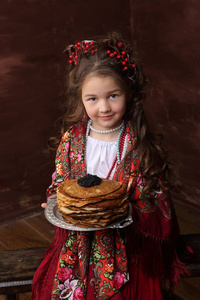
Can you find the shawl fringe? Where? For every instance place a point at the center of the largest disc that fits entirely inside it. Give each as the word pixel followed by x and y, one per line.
pixel 155 256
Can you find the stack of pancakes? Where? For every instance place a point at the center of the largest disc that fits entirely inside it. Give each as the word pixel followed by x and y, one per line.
pixel 92 207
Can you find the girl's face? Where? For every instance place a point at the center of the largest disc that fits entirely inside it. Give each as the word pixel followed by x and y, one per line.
pixel 104 101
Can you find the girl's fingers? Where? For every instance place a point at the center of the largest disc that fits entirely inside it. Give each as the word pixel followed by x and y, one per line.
pixel 44 205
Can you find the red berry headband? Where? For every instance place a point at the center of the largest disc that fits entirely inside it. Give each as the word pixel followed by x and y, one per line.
pixel 85 46
pixel 117 53
pixel 120 56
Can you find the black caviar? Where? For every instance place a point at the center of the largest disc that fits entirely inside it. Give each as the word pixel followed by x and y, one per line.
pixel 89 180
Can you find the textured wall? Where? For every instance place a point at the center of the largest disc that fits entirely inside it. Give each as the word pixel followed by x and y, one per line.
pixel 33 36
pixel 167 37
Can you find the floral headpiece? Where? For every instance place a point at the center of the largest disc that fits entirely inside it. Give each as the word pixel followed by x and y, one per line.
pixel 86 46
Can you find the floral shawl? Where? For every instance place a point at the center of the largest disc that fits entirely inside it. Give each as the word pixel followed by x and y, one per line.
pixel 101 260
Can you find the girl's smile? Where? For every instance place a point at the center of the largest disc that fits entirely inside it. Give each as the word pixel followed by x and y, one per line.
pixel 106 117
pixel 104 101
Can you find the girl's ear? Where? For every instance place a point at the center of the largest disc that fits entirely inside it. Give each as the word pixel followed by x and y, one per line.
pixel 85 117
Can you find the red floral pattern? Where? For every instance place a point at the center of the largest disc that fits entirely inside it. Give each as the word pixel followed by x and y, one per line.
pixel 103 252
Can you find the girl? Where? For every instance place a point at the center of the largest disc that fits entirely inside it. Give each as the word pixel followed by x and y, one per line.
pixel 105 133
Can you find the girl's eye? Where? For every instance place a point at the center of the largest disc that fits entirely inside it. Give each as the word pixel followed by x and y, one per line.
pixel 92 99
pixel 113 96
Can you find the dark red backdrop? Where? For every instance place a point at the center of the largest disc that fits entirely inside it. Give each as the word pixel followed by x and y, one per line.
pixel 33 36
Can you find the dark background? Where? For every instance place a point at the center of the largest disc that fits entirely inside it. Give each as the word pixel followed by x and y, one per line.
pixel 32 67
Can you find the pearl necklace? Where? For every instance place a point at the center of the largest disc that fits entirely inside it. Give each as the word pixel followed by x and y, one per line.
pixel 104 131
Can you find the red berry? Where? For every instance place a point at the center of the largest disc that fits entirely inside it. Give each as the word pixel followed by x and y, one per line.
pixel 123 63
pixel 115 52
pixel 76 63
pixel 123 52
pixel 118 56
pixel 111 54
pixel 71 61
pixel 120 44
pixel 126 59
pixel 133 65
pixel 108 52
pixel 71 56
pixel 76 57
pixel 125 68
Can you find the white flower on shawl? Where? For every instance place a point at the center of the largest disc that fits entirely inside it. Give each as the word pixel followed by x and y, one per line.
pixel 67 289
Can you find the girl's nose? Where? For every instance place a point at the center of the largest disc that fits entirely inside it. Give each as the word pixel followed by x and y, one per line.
pixel 104 106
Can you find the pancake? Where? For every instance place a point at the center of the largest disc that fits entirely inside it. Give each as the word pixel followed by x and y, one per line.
pixel 74 190
pixel 95 206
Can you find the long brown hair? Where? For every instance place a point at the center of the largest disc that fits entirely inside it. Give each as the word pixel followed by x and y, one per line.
pixel 153 160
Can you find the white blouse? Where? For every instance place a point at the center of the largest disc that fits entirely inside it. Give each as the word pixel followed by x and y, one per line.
pixel 100 156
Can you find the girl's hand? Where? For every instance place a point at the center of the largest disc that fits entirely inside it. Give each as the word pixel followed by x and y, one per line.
pixel 44 205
